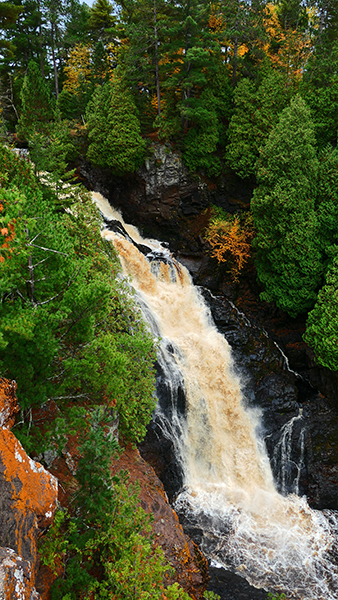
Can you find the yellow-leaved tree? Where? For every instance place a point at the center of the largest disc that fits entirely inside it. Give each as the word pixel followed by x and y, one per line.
pixel 230 238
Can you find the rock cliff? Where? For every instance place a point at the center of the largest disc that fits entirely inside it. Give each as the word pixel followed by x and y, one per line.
pixel 28 496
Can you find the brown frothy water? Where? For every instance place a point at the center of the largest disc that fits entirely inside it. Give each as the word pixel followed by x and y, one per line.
pixel 275 542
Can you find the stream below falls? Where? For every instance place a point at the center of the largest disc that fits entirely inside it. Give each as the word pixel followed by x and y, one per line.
pixel 275 542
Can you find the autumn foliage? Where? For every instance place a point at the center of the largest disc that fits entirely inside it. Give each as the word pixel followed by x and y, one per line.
pixel 7 236
pixel 230 240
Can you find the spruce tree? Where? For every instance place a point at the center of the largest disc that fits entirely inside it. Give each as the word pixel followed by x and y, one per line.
pixel 288 260
pixel 37 103
pixel 327 199
pixel 255 114
pixel 114 130
pixel 322 324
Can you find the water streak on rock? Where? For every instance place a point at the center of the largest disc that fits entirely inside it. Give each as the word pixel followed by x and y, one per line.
pixel 282 460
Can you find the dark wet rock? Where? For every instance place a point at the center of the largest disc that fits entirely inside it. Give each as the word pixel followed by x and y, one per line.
pixel 278 391
pixel 117 227
pixel 233 587
pixel 159 452
pixel 163 198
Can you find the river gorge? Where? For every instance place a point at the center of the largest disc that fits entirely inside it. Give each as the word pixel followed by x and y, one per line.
pixel 226 490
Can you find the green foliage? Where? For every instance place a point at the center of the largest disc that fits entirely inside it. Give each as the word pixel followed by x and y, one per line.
pixel 288 260
pixel 201 140
pixel 322 324
pixel 68 329
pixel 278 597
pixel 255 114
pixel 188 67
pixel 8 15
pixel 37 103
pixel 211 596
pixel 51 153
pixel 101 19
pixel 114 131
pixel 105 545
pixel 323 101
pixel 54 545
pixel 327 198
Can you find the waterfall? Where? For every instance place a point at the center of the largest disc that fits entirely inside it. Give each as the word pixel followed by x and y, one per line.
pixel 275 542
pixel 289 470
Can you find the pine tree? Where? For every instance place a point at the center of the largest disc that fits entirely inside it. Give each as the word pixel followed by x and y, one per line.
pixel 288 260
pixel 144 24
pixel 8 15
pixel 101 19
pixel 114 130
pixel 245 32
pixel 189 63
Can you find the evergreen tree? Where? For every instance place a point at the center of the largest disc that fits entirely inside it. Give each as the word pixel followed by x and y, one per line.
pixel 144 24
pixel 114 130
pixel 189 63
pixel 101 19
pixel 292 14
pixel 320 83
pixel 255 114
pixel 200 143
pixel 26 36
pixel 322 324
pixel 327 199
pixel 37 103
pixel 76 24
pixel 8 16
pixel 288 260
pixel 67 328
pixel 245 32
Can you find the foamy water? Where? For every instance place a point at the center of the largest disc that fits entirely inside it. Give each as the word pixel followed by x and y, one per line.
pixel 275 542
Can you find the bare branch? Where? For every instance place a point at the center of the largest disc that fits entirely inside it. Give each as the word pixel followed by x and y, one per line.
pixel 68 397
pixel 40 262
pixel 48 249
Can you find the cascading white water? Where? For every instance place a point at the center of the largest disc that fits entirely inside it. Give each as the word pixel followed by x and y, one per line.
pixel 282 461
pixel 275 542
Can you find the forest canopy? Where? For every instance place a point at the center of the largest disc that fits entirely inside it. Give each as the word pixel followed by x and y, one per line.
pixel 247 87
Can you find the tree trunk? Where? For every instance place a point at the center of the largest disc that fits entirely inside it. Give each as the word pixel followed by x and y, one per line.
pixel 157 76
pixel 41 44
pixel 234 69
pixel 54 62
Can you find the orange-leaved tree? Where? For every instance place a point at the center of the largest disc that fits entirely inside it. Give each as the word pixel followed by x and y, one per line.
pixel 230 238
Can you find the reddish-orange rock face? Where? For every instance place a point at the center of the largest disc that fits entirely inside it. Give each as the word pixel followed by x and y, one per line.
pixel 8 403
pixel 16 580
pixel 191 569
pixel 33 488
pixel 28 494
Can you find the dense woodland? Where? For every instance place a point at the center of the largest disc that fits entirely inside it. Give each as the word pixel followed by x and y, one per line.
pixel 233 85
pixel 247 86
